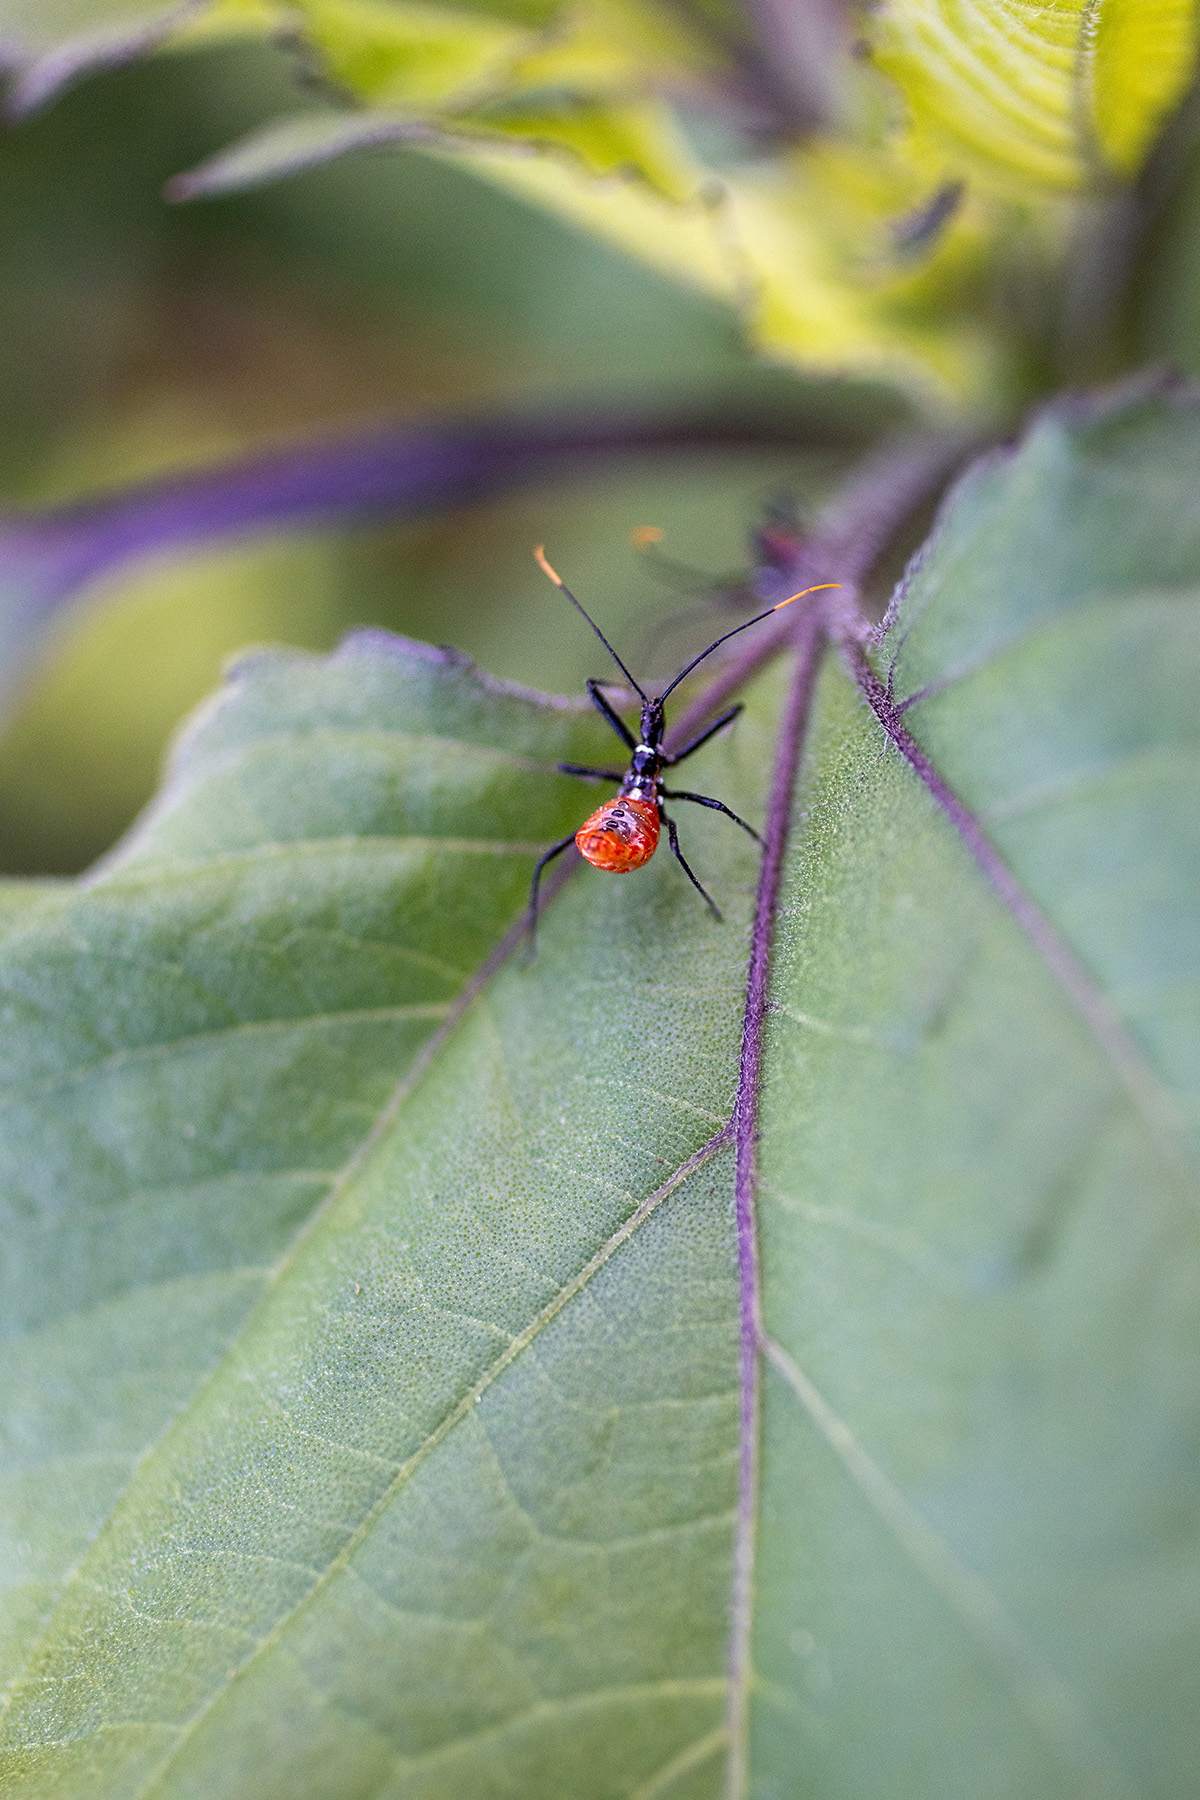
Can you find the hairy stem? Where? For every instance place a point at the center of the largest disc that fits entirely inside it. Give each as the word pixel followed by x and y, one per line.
pixel 855 530
pixel 793 727
pixel 851 535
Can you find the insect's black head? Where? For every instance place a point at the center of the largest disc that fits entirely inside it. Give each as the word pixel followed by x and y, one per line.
pixel 653 723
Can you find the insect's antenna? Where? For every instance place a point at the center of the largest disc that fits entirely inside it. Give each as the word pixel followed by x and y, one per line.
pixel 556 578
pixel 745 626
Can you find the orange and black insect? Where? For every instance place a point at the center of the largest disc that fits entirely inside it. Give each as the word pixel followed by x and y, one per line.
pixel 623 833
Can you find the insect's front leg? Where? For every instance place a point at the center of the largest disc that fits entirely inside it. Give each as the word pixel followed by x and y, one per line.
pixel 610 713
pixel 591 774
pixel 697 743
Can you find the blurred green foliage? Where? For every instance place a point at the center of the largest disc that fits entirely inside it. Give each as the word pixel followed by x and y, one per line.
pixel 138 337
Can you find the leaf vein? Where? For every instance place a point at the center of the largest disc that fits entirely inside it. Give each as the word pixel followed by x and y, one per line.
pixel 462 1409
pixel 217 1036
pixel 715 1743
pixel 148 870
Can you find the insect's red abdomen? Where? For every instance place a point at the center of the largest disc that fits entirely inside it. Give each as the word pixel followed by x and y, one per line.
pixel 620 835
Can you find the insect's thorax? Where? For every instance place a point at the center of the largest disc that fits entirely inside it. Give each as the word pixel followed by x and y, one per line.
pixel 641 783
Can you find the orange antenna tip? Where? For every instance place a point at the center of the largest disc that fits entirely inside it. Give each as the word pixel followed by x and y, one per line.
pixel 646 534
pixel 803 591
pixel 539 557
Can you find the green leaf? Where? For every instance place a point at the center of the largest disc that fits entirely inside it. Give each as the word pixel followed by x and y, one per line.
pixel 680 238
pixel 49 43
pixel 412 56
pixel 371 1402
pixel 635 145
pixel 829 286
pixel 1057 97
pixel 298 1314
pixel 372 890
pixel 289 145
pixel 980 1548
pixel 465 82
pixel 638 141
pixel 829 249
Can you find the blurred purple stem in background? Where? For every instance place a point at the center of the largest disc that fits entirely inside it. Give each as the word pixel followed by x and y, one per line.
pixel 803 44
pixel 49 558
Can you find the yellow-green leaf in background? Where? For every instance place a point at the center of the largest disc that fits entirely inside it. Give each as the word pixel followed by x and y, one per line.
pixel 235 18
pixel 405 53
pixel 682 239
pixel 1058 96
pixel 885 246
pixel 1144 53
pixel 408 55
pixel 814 252
pixel 586 83
pixel 837 280
pixel 615 46
pixel 609 140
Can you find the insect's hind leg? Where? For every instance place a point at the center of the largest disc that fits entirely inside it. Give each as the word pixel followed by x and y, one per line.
pixel 716 805
pixel 535 883
pixel 677 853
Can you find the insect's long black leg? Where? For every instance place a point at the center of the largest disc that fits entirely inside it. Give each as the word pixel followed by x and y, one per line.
pixel 677 853
pixel 717 806
pixel 725 719
pixel 614 718
pixel 590 774
pixel 554 850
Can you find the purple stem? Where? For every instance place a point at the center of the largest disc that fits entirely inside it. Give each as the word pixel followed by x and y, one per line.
pixel 854 531
pixel 398 471
pixel 803 44
pixel 793 727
